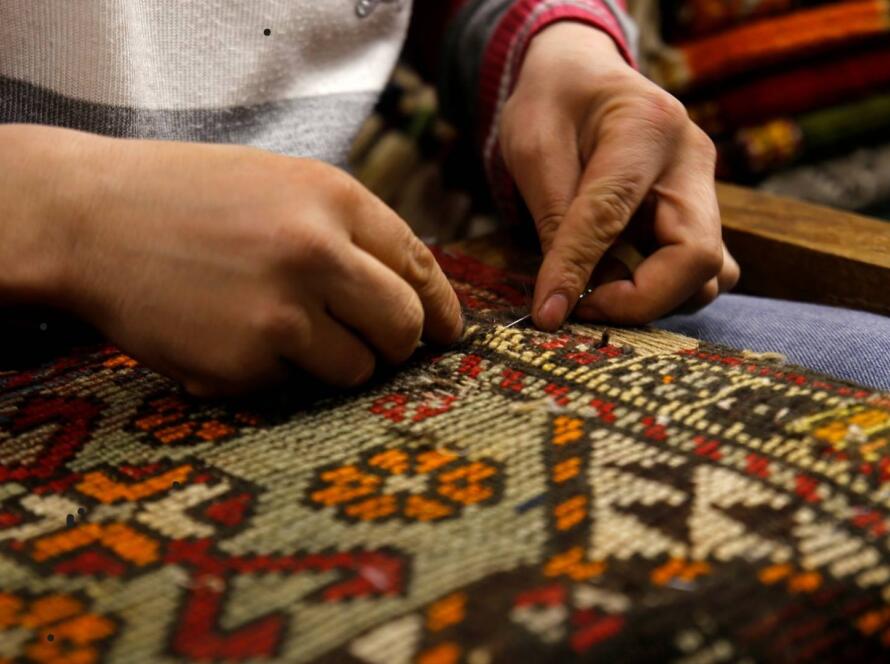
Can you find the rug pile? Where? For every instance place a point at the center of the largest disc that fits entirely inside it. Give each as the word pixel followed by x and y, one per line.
pixel 616 494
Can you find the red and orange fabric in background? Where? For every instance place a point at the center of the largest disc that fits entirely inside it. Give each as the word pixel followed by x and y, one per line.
pixel 791 91
pixel 696 18
pixel 747 46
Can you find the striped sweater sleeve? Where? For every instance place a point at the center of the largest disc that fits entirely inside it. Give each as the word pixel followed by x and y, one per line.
pixel 484 46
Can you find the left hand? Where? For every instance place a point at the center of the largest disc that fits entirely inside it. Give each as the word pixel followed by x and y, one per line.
pixel 588 139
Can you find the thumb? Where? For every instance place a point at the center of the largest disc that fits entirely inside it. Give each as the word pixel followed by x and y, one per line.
pixel 542 156
pixel 616 180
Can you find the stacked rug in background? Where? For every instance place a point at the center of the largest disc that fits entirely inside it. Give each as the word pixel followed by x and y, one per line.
pixel 411 158
pixel 795 93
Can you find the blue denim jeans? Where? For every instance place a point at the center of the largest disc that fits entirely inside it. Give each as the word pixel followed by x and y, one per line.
pixel 843 343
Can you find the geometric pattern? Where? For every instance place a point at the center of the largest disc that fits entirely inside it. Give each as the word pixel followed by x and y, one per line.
pixel 618 494
pixel 414 485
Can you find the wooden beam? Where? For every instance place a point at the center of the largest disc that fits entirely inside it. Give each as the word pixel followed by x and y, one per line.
pixel 793 250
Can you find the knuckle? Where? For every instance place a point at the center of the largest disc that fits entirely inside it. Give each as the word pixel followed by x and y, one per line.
pixel 525 128
pixel 577 260
pixel 710 292
pixel 708 258
pixel 660 119
pixel 406 331
pixel 318 171
pixel 730 275
pixel 529 147
pixel 707 294
pixel 282 324
pixel 338 189
pixel 577 268
pixel 523 147
pixel 703 143
pixel 611 204
pixel 349 192
pixel 665 110
pixel 735 273
pixel 570 267
pixel 549 221
pixel 305 248
pixel 421 266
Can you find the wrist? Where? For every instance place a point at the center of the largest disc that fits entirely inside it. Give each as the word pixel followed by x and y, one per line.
pixel 577 43
pixel 42 198
pixel 571 31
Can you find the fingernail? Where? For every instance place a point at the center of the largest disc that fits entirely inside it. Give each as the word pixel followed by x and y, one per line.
pixel 554 311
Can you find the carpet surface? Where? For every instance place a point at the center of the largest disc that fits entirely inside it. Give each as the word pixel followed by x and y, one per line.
pixel 619 495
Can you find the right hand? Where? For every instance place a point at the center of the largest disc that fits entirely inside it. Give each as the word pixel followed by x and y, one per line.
pixel 224 267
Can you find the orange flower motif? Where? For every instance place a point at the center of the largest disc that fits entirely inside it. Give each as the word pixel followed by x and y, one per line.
pixel 426 485
pixel 61 628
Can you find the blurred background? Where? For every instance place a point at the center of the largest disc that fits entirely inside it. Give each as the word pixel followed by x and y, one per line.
pixel 794 93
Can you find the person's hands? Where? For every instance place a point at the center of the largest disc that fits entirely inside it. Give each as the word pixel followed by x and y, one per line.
pixel 224 266
pixel 587 140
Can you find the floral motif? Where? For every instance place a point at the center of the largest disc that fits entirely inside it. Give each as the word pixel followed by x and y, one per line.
pixel 60 627
pixel 416 485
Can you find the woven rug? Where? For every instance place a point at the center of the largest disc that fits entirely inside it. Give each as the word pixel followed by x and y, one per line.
pixel 784 141
pixel 694 18
pixel 833 80
pixel 752 45
pixel 620 495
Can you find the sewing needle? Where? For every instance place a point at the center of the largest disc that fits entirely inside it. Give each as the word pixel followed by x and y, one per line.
pixel 517 322
pixel 527 316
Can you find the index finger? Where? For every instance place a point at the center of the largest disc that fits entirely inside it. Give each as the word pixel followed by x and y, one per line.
pixel 687 226
pixel 617 178
pixel 389 239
